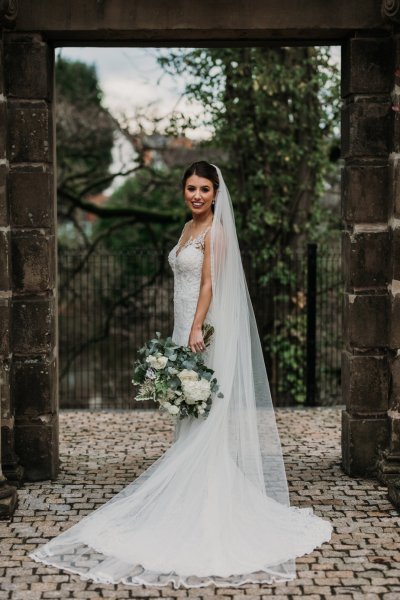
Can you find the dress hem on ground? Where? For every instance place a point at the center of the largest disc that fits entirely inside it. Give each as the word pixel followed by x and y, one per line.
pixel 261 576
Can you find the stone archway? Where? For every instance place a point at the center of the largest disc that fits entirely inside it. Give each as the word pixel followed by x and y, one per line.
pixel 370 36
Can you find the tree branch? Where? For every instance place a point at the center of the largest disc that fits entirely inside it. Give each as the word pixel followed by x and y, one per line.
pixel 142 214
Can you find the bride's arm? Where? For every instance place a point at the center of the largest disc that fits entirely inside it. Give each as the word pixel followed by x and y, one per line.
pixel 196 342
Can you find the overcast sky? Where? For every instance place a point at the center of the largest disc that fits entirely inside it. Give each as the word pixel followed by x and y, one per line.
pixel 131 77
pixel 128 76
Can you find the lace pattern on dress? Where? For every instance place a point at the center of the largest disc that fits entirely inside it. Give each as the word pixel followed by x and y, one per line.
pixel 197 242
pixel 186 262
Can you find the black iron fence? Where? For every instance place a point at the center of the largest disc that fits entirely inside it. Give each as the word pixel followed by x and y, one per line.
pixel 110 304
pixel 303 343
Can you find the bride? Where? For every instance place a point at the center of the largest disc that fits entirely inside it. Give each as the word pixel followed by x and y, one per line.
pixel 214 508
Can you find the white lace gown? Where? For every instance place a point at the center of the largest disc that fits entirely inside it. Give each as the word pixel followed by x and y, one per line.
pixel 191 519
pixel 186 262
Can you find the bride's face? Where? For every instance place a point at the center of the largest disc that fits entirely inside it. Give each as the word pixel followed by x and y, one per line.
pixel 199 194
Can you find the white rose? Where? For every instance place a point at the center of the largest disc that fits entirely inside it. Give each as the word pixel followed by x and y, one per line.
pixel 151 360
pixel 189 399
pixel 196 391
pixel 173 410
pixel 161 362
pixel 188 375
pixel 157 362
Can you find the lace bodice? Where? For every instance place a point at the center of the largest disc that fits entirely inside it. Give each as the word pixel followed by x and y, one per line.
pixel 186 262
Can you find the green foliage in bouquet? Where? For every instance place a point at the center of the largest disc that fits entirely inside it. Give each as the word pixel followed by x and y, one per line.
pixel 175 377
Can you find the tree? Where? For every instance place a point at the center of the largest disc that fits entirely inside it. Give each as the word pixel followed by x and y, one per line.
pixel 85 137
pixel 275 112
pixel 85 129
pixel 154 191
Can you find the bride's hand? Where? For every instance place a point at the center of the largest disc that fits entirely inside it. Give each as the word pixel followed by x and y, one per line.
pixel 196 341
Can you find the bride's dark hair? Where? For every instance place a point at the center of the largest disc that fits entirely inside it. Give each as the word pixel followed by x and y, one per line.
pixel 201 168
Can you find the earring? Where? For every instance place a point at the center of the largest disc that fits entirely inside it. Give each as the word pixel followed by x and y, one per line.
pixel 213 201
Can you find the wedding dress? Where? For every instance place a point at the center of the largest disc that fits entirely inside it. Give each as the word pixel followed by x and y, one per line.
pixel 214 508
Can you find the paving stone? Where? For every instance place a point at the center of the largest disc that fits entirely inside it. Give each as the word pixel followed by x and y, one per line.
pixel 101 452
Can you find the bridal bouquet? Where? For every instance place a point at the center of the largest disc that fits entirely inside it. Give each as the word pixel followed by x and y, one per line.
pixel 175 377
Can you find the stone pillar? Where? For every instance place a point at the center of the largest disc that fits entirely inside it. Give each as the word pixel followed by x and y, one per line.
pixel 366 244
pixel 389 464
pixel 32 246
pixel 8 494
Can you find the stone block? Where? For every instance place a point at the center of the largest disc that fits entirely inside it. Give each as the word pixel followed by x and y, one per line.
pixel 365 383
pixel 389 466
pixel 367 66
pixel 34 386
pixel 7 441
pixel 395 254
pixel 4 214
pixel 396 133
pixel 362 441
pixel 6 409
pixel 29 134
pixel 394 492
pixel 4 260
pixel 9 460
pixel 1 74
pixel 396 99
pixel 33 325
pixel 37 448
pixel 366 128
pixel 366 320
pixel 32 262
pixel 8 501
pixel 5 320
pixel 394 341
pixel 366 259
pixel 31 198
pixel 395 182
pixel 394 446
pixel 365 193
pixel 28 69
pixel 3 129
pixel 395 383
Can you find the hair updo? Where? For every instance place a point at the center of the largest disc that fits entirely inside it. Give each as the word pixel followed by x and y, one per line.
pixel 204 169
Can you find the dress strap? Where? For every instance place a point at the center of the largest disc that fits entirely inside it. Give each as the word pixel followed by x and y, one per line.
pixel 183 231
pixel 204 233
pixel 178 246
pixel 199 239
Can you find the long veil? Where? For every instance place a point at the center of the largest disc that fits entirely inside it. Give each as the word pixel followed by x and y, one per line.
pixel 214 508
pixel 238 359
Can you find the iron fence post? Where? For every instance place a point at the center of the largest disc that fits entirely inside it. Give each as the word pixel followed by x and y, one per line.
pixel 311 322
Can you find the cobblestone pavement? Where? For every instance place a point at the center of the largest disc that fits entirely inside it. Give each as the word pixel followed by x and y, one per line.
pixel 103 451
